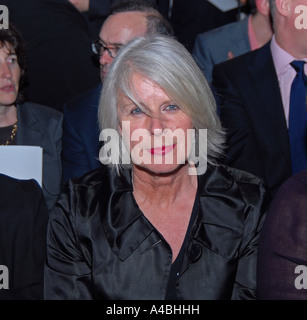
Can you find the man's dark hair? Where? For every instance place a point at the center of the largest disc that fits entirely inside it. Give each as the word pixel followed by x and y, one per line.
pixel 12 37
pixel 251 4
pixel 156 22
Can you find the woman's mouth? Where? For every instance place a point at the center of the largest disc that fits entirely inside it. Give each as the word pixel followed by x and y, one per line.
pixel 8 89
pixel 162 150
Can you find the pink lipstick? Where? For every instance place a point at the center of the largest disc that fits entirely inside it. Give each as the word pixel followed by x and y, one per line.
pixel 162 150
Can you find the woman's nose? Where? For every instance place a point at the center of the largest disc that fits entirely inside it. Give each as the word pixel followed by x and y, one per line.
pixel 5 71
pixel 156 126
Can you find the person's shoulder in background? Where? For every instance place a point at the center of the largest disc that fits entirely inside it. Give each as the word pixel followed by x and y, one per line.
pixel 23 227
pixel 220 44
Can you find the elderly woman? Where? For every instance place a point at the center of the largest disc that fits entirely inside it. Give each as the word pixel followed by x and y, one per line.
pixel 156 222
pixel 27 123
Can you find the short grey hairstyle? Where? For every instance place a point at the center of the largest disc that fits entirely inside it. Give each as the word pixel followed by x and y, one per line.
pixel 165 61
pixel 272 4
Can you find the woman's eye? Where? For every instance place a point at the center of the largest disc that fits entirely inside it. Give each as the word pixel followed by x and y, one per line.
pixel 171 107
pixel 136 111
pixel 12 60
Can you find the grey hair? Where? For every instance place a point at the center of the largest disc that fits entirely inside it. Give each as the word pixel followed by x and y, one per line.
pixel 272 4
pixel 165 61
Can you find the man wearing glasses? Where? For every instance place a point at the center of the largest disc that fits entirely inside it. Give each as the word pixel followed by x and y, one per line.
pixel 128 19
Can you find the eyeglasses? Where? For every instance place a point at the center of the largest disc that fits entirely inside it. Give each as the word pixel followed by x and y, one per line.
pixel 99 48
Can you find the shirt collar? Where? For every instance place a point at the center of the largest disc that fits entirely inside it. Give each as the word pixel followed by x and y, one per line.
pixel 281 58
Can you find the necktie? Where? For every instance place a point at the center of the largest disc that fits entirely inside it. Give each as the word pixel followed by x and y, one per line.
pixel 298 119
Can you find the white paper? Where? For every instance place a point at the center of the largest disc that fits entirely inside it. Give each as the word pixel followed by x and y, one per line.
pixel 225 5
pixel 22 162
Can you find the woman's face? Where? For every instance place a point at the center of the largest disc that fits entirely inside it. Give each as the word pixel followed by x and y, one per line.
pixel 9 75
pixel 156 136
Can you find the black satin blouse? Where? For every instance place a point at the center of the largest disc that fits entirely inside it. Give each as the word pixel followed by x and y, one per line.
pixel 101 246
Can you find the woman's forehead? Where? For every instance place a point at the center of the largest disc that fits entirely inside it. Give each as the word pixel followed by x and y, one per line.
pixel 7 47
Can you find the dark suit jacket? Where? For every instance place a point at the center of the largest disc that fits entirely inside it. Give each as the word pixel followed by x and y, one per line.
pixel 189 18
pixel 23 229
pixel 81 134
pixel 253 116
pixel 282 263
pixel 96 15
pixel 60 62
pixel 212 47
pixel 42 126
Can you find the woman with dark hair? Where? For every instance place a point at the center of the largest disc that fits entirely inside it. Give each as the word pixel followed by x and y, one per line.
pixel 26 123
pixel 12 37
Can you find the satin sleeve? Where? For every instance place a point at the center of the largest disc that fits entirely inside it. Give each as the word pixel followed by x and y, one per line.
pixel 255 209
pixel 67 273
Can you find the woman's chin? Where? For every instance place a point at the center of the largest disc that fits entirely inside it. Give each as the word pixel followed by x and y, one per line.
pixel 159 169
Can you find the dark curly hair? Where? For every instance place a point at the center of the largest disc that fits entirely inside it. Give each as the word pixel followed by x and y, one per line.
pixel 12 37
